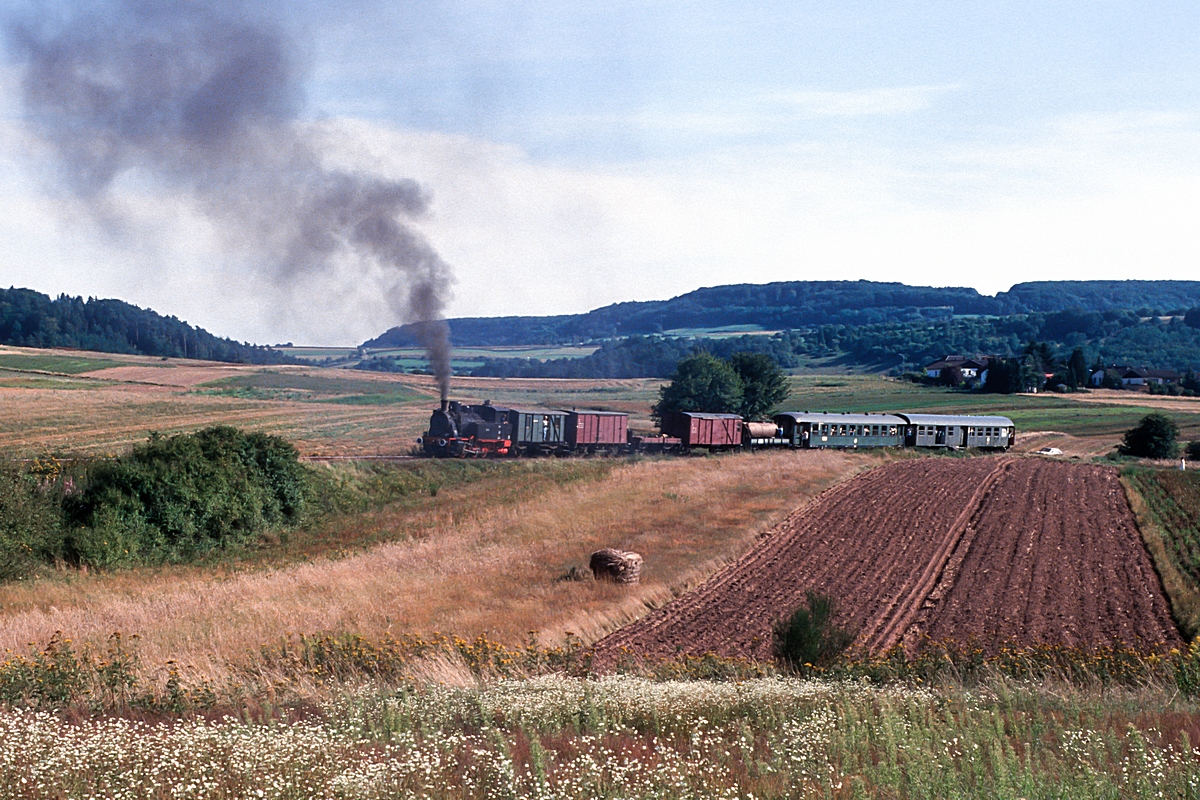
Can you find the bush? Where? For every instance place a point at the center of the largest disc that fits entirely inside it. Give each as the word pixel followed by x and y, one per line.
pixel 175 498
pixel 808 640
pixel 30 522
pixel 1153 437
pixel 1193 450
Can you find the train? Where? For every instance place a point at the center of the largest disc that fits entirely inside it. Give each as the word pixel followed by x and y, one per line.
pixel 484 430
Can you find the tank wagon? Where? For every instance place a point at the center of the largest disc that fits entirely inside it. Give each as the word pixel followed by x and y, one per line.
pixel 485 430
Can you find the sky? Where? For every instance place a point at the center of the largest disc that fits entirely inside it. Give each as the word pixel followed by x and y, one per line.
pixel 575 155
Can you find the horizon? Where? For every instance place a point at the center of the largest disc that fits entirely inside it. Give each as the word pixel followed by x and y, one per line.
pixel 574 159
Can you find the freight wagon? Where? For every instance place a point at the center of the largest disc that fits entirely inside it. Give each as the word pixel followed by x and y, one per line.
pixel 703 430
pixel 592 431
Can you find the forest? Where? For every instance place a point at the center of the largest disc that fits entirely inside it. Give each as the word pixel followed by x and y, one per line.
pixel 33 319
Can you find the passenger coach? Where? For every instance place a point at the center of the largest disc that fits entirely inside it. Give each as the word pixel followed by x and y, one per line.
pixel 825 429
pixel 938 430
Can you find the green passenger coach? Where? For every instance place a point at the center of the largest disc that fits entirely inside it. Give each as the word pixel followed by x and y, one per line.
pixel 825 429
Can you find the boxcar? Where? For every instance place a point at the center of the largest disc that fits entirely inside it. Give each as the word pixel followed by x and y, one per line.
pixel 538 430
pixel 597 430
pixel 703 430
pixel 940 430
pixel 823 429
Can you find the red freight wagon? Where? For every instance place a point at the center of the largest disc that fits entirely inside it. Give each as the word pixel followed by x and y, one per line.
pixel 704 430
pixel 591 428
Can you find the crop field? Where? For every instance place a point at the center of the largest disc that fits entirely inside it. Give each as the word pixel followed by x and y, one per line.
pixel 992 552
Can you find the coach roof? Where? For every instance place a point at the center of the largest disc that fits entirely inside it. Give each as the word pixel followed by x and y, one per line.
pixel 836 418
pixel 962 421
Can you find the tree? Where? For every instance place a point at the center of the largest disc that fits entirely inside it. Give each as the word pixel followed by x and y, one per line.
pixel 1077 370
pixel 1192 317
pixel 1153 437
pixel 764 385
pixel 1003 376
pixel 701 382
pixel 950 376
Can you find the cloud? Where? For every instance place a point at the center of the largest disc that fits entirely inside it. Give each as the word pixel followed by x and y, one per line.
pixel 1076 198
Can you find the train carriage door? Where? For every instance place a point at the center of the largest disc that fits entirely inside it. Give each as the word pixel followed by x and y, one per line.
pixel 939 438
pixel 910 435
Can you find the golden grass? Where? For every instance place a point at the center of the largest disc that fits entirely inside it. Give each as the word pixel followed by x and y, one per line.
pixel 478 568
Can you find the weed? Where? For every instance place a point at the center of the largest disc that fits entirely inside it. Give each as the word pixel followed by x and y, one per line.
pixel 808 639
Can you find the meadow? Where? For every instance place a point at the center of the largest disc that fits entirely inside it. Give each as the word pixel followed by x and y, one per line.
pixel 253 662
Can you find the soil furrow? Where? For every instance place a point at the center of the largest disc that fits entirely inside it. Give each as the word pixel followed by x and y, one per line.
pixel 991 550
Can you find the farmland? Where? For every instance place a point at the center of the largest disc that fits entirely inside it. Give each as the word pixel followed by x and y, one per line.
pixel 347 649
pixel 920 550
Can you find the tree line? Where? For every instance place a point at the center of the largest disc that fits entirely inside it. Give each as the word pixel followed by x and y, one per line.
pixel 33 319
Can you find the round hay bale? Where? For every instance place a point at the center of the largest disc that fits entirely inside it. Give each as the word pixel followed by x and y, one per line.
pixel 618 566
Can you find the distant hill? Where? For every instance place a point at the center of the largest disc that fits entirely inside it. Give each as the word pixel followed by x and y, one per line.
pixel 33 319
pixel 800 305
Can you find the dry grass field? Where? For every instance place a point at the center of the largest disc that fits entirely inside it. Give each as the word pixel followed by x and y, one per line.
pixel 466 564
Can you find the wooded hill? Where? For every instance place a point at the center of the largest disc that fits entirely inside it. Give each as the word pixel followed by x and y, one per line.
pixel 799 305
pixel 862 325
pixel 33 319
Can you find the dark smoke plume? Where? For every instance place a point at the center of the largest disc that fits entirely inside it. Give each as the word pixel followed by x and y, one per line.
pixel 204 97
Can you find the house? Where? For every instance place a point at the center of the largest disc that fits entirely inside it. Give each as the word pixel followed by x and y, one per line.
pixel 968 368
pixel 1143 376
pixel 1135 376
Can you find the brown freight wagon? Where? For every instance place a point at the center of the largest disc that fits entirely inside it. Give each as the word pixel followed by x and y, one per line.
pixel 592 430
pixel 703 430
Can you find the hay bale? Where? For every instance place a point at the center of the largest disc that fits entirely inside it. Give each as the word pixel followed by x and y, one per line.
pixel 618 566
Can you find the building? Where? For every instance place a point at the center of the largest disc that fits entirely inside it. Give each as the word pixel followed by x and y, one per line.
pixel 968 368
pixel 1136 376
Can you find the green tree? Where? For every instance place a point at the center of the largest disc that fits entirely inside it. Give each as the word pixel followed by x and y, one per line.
pixel 1077 369
pixel 701 383
pixel 1003 376
pixel 1153 437
pixel 764 385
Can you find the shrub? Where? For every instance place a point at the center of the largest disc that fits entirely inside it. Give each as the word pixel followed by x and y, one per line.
pixel 808 640
pixel 1193 450
pixel 30 522
pixel 174 498
pixel 1153 437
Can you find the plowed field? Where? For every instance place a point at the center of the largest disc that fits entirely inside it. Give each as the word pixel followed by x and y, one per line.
pixel 991 550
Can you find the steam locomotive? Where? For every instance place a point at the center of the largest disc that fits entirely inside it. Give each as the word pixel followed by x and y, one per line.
pixel 457 430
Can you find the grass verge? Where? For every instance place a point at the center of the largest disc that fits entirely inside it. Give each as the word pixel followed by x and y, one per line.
pixel 1164 504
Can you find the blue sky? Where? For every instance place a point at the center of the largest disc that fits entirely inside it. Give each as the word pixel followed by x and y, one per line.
pixel 579 155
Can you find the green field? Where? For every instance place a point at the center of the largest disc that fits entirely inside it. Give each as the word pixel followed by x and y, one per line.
pixel 464 358
pixel 269 385
pixel 63 365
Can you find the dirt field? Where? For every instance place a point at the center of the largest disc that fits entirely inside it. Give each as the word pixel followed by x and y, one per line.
pixel 990 550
